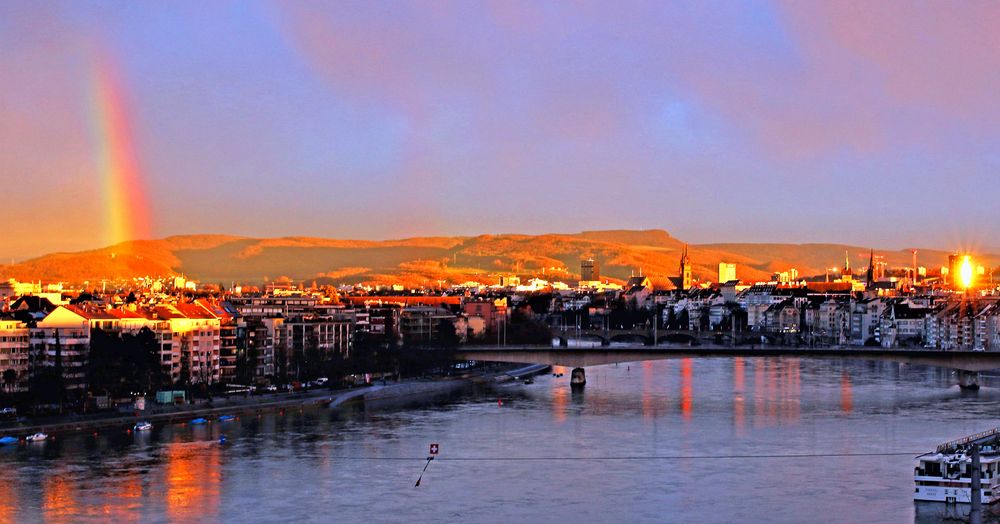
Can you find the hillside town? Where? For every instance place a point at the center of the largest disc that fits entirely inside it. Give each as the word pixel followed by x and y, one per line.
pixel 205 336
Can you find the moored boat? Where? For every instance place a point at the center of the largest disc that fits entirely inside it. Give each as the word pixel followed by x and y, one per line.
pixel 199 420
pixel 8 440
pixel 142 425
pixel 37 437
pixel 945 475
pixel 224 418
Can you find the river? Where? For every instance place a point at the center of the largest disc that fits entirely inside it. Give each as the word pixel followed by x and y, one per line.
pixel 712 440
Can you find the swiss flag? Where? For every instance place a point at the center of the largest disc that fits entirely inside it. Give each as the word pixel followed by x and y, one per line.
pixel 434 449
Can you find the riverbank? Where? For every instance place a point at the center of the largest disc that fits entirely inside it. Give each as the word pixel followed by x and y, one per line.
pixel 408 389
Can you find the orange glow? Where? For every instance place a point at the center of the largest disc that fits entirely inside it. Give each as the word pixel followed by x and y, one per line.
pixel 124 200
pixel 124 499
pixel 776 390
pixel 965 272
pixel 59 500
pixel 686 389
pixel 8 498
pixel 846 399
pixel 758 390
pixel 648 404
pixel 192 482
pixel 739 409
pixel 559 396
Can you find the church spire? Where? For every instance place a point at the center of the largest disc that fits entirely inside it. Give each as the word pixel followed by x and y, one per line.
pixel 686 279
pixel 870 275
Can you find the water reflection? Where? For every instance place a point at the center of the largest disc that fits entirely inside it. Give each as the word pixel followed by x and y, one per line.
pixel 8 495
pixel 649 391
pixel 59 498
pixel 297 465
pixel 846 399
pixel 559 395
pixel 687 367
pixel 123 499
pixel 776 392
pixel 192 477
pixel 739 408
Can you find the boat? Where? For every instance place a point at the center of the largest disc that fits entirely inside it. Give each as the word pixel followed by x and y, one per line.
pixel 945 474
pixel 224 418
pixel 199 420
pixel 529 381
pixel 37 437
pixel 7 440
pixel 142 425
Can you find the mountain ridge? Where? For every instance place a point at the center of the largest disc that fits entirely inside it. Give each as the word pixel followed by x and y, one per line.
pixel 430 260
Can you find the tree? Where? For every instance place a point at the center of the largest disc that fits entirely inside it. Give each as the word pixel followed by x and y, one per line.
pixel 9 379
pixel 446 335
pixel 124 364
pixel 525 330
pixel 142 359
pixel 47 386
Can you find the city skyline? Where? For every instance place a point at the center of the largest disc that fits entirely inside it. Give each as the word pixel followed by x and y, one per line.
pixel 816 122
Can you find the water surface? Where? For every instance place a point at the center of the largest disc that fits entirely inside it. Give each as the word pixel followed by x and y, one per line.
pixel 631 447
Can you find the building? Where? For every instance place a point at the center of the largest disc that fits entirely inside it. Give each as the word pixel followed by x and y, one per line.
pixel 782 317
pixel 62 339
pixel 303 343
pixel 270 305
pixel 493 312
pixel 902 325
pixel 727 272
pixel 419 324
pixel 590 270
pixel 509 281
pixel 638 291
pixel 191 340
pixel 14 346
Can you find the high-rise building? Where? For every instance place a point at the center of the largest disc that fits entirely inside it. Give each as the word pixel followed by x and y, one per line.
pixel 590 270
pixel 727 272
pixel 955 262
pixel 954 267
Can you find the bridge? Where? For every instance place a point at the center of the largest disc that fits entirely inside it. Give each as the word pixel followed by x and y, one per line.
pixel 638 336
pixel 969 363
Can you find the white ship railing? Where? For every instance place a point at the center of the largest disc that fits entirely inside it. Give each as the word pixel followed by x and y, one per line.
pixel 966 440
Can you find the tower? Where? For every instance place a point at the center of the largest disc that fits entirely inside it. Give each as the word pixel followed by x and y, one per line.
pixel 870 274
pixel 590 270
pixel 685 270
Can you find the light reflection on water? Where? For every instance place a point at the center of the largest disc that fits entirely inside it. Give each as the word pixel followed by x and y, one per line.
pixel 319 465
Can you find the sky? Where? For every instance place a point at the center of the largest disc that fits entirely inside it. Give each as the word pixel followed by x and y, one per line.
pixel 870 123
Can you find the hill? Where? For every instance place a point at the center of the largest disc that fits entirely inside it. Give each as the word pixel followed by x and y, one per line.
pixel 430 260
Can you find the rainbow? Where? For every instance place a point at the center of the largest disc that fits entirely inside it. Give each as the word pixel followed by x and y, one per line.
pixel 125 210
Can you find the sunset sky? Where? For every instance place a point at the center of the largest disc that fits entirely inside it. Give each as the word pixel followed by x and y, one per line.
pixel 871 123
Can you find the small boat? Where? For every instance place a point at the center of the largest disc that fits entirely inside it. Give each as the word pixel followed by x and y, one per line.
pixel 142 425
pixel 199 420
pixel 37 437
pixel 224 418
pixel 223 439
pixel 7 440
pixel 529 381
